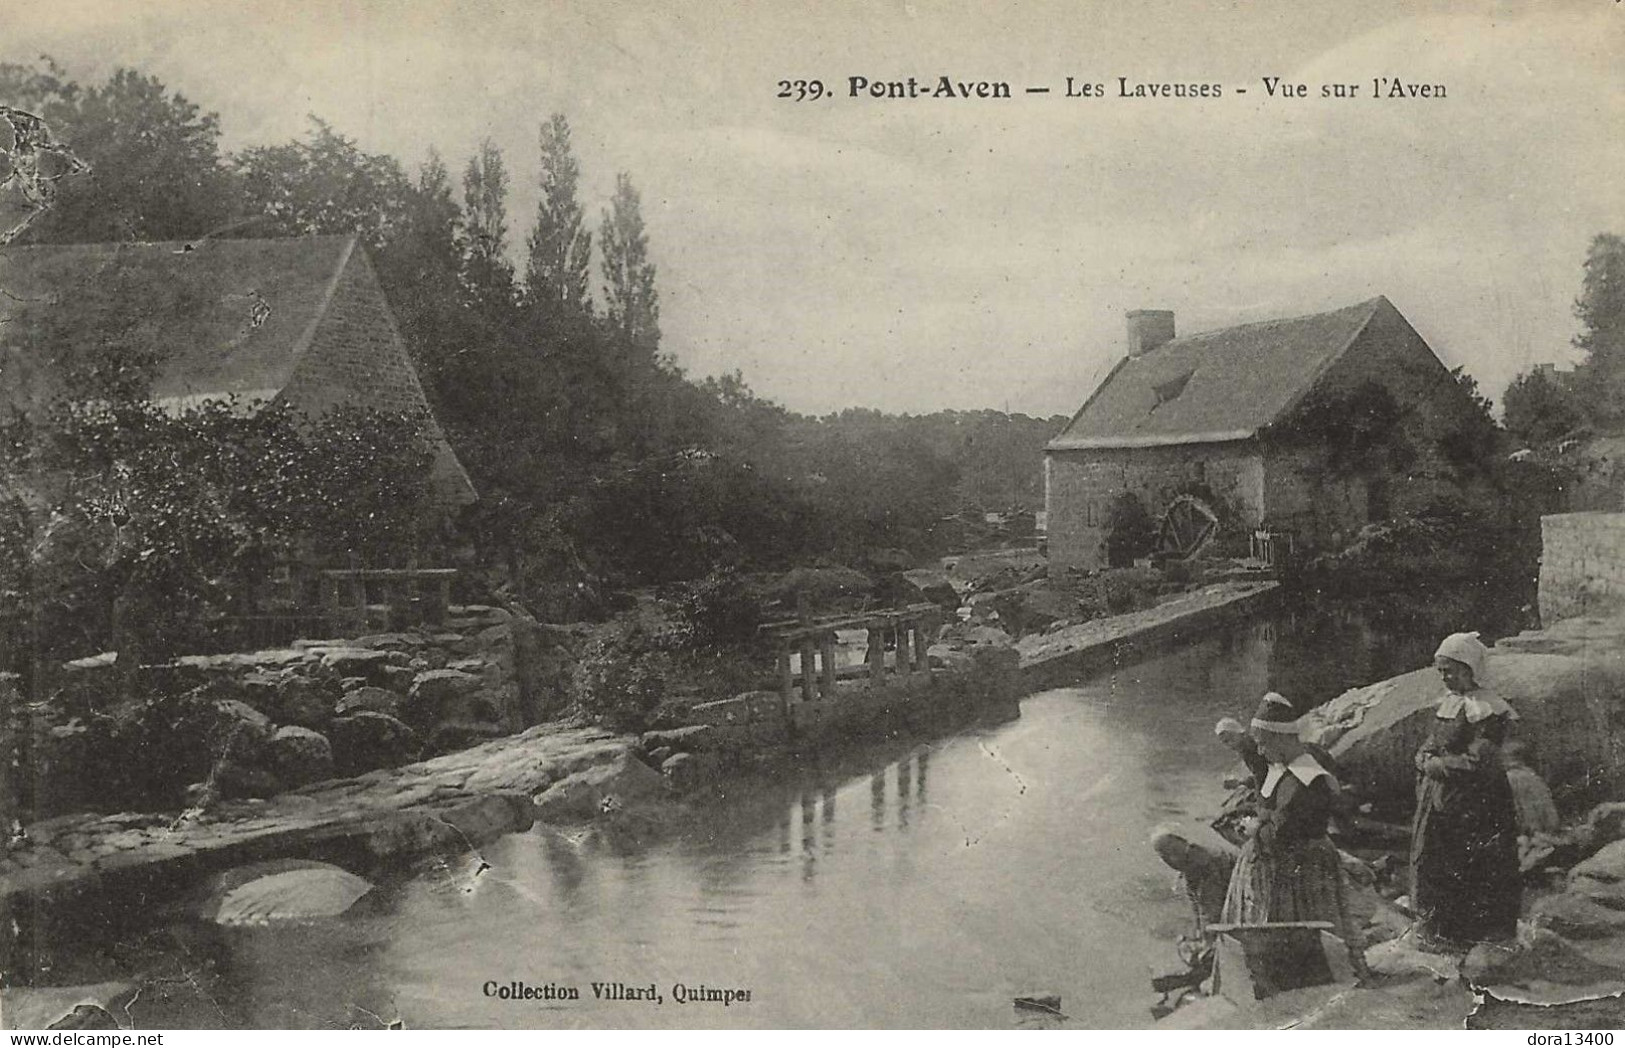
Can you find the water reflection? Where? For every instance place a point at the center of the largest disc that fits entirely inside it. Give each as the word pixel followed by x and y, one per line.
pixel 919 883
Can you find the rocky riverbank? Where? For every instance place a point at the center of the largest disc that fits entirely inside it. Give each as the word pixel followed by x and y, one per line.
pixel 1567 968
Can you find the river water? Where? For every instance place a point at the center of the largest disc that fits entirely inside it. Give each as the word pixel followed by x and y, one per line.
pixel 921 885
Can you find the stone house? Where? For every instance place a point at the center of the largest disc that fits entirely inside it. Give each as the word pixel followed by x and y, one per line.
pixel 300 320
pixel 1313 425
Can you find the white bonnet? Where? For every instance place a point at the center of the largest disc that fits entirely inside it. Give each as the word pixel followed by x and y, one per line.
pixel 1465 648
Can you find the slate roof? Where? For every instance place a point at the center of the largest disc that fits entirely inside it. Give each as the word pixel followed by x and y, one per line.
pixel 220 318
pixel 1215 386
pixel 227 316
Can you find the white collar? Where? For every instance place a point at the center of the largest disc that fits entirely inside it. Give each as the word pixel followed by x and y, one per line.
pixel 1303 767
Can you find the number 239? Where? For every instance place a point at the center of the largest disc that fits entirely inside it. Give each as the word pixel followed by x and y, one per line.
pixel 801 90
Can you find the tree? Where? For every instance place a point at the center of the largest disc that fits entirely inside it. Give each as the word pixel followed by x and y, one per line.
pixel 485 214
pixel 556 274
pixel 325 184
pixel 1601 310
pixel 1540 409
pixel 631 301
pixel 155 171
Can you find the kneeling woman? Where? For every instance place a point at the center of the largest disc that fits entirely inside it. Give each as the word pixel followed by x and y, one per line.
pixel 1289 870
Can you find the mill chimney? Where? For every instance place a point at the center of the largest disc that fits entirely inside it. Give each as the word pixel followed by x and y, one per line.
pixel 1148 329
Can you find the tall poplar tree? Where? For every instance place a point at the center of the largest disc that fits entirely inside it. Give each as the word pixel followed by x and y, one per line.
pixel 631 300
pixel 485 215
pixel 556 274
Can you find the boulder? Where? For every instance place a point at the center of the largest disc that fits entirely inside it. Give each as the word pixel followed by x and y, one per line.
pixel 367 740
pixel 236 730
pixel 695 737
pixel 1607 822
pixel 1577 917
pixel 434 691
pixel 304 702
pixel 1604 893
pixel 688 771
pixel 362 662
pixel 450 736
pixel 935 587
pixel 236 779
pixel 1541 968
pixel 1607 865
pixel 1564 703
pixel 368 697
pixel 590 793
pixel 299 756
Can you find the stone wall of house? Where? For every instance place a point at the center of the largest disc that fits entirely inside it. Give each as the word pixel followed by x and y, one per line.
pixel 1582 565
pixel 1080 486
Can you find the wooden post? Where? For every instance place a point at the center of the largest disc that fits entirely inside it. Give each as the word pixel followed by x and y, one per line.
pixel 12 729
pixel 437 599
pixel 904 662
pixel 809 681
pixel 876 656
pixel 827 656
pixel 787 679
pixel 922 658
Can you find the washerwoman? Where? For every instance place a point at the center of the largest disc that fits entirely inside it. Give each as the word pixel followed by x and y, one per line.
pixel 1464 838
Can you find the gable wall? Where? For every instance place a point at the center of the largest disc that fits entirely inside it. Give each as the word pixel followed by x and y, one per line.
pixel 1325 510
pixel 356 356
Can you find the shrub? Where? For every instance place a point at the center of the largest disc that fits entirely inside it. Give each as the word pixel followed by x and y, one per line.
pixel 625 673
pixel 719 610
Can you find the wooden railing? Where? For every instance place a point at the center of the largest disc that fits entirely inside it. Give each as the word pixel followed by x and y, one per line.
pixel 353 599
pixel 908 630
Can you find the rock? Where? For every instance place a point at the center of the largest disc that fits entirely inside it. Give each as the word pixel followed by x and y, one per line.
pixel 280 890
pixel 1537 811
pixel 368 697
pixel 1402 956
pixel 624 781
pixel 435 694
pixel 1563 702
pixel 1607 822
pixel 1542 968
pixel 451 736
pixel 300 756
pixel 1577 917
pixel 236 780
pixel 657 756
pixel 467 665
pixel 389 641
pixel 694 738
pixel 1606 865
pixel 361 662
pixel 687 771
pixel 1604 893
pixel 367 740
pixel 304 702
pixel 1032 607
pixel 944 657
pixel 201 795
pixel 237 729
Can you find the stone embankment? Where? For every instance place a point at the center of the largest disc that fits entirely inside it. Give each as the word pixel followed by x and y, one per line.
pixel 1088 646
pixel 447 804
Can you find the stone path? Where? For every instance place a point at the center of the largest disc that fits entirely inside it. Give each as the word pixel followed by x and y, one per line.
pixel 1074 647
pixel 457 800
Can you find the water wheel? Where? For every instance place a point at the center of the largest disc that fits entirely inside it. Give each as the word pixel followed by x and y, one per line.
pixel 1187 526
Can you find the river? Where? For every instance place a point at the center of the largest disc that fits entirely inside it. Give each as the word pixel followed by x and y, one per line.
pixel 921 885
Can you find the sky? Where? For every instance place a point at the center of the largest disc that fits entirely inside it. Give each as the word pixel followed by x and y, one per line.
pixel 914 255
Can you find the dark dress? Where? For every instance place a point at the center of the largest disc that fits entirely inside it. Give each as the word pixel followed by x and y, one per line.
pixel 1289 870
pixel 1464 838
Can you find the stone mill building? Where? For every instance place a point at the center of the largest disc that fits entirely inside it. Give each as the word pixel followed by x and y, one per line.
pixel 1310 426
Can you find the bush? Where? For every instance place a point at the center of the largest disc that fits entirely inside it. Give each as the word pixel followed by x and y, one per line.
pixel 625 673
pixel 719 610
